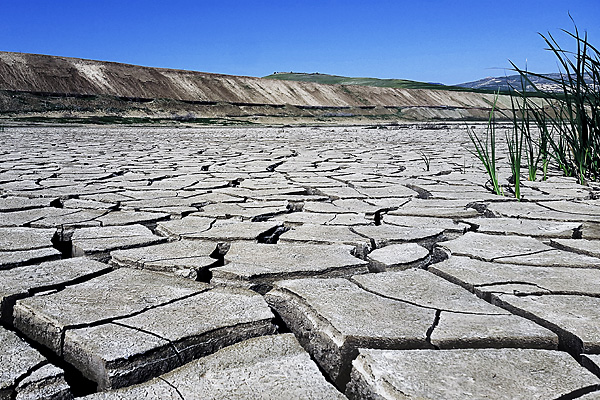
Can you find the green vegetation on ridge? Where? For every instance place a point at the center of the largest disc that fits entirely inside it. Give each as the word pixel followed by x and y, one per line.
pixel 376 82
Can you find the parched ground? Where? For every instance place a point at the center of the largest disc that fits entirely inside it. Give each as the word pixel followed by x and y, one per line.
pixel 308 263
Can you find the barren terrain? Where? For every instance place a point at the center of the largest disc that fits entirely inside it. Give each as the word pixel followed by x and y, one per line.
pixel 308 263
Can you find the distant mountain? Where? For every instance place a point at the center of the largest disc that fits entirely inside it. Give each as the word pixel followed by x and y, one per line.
pixel 316 77
pixel 506 83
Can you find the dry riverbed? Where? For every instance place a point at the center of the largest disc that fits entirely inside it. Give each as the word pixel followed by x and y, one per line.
pixel 308 263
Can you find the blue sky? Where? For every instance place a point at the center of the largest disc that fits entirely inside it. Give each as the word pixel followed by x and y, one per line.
pixel 425 40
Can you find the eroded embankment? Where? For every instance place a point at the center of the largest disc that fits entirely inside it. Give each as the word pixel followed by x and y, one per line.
pixel 68 87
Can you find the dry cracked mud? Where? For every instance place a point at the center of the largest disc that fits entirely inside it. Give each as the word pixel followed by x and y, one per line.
pixel 297 263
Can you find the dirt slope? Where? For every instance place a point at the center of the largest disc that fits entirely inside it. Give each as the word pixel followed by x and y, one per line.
pixel 73 77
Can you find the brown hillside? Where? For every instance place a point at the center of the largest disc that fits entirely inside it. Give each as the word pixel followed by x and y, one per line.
pixel 41 75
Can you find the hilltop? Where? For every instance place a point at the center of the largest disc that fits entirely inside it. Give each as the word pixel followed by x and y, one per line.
pixel 59 89
pixel 375 82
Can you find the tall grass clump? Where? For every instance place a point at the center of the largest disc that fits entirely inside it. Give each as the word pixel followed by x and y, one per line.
pixel 485 149
pixel 568 119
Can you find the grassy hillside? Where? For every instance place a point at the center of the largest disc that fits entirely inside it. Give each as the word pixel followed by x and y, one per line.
pixel 343 80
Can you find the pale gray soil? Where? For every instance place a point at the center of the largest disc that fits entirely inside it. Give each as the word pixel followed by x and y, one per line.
pixel 296 263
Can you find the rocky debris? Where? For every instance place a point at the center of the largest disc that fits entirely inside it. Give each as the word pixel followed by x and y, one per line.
pixel 267 367
pixel 333 318
pixel 257 266
pixel 26 374
pixel 21 282
pixel 187 258
pixel 21 246
pixel 149 323
pixel 516 250
pixel 524 227
pixel 98 242
pixel 398 257
pixel 475 373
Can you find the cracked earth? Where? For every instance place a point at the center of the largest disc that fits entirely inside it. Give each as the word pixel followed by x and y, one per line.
pixel 308 263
